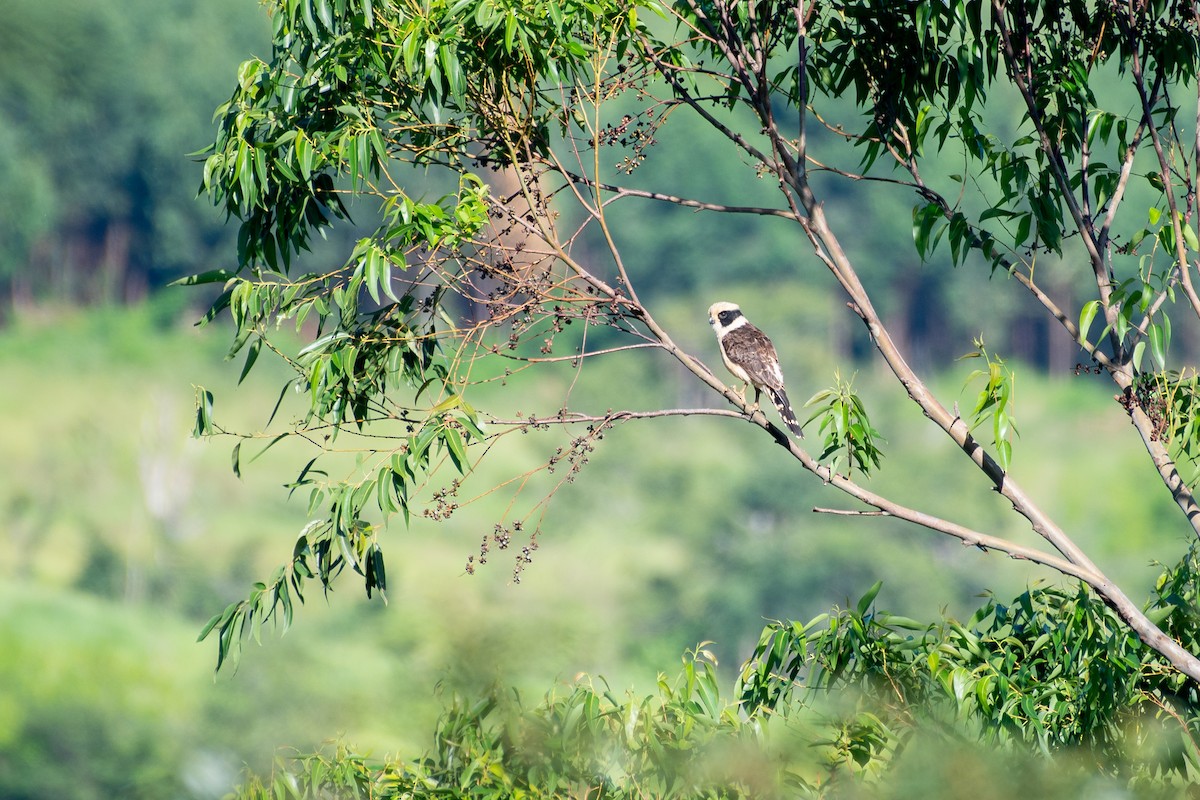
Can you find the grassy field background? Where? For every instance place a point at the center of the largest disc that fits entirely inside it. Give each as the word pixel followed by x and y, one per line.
pixel 123 535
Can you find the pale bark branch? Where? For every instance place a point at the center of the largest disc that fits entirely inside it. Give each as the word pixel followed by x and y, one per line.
pixel 577 417
pixel 1058 169
pixel 831 252
pixel 1164 172
pixel 809 213
pixel 700 205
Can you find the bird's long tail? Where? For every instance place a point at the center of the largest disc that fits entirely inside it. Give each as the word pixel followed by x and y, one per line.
pixel 784 406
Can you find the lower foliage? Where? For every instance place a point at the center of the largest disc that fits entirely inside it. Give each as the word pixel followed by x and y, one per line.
pixel 1047 693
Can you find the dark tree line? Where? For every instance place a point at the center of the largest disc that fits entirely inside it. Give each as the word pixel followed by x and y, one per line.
pixel 99 106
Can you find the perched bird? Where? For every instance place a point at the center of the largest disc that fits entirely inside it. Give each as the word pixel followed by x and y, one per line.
pixel 751 357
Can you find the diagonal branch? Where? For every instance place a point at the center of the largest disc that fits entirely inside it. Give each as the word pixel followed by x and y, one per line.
pixel 1164 171
pixel 809 213
pixel 619 192
pixel 828 248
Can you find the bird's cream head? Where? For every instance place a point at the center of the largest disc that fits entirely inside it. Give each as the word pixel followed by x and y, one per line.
pixel 724 316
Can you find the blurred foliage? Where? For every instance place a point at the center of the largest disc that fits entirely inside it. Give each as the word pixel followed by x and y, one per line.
pixel 1048 694
pixel 450 291
pixel 120 538
pixel 92 707
pixel 1049 671
pixel 99 105
pixel 684 740
pixel 121 535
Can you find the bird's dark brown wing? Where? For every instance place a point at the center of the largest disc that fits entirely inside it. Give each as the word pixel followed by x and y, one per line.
pixel 750 348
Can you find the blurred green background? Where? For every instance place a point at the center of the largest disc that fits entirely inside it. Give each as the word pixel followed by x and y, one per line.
pixel 120 535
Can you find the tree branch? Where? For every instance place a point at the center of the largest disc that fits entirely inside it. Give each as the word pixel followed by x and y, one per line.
pixel 700 205
pixel 829 250
pixel 576 417
pixel 1164 169
pixel 1073 561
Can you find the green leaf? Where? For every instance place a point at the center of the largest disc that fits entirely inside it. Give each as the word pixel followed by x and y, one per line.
pixel 325 14
pixel 453 401
pixel 370 272
pixel 510 30
pixel 1086 315
pixel 309 21
pixel 1139 350
pixel 219 305
pixel 1023 227
pixel 452 72
pixel 457 449
pixel 204 411
pixel 420 443
pixel 470 424
pixel 1000 425
pixel 212 276
pixel 924 218
pixel 378 568
pixel 865 601
pixel 276 440
pixel 251 357
pixel 217 619
pixel 1189 237
pixel 305 156
pixel 1158 345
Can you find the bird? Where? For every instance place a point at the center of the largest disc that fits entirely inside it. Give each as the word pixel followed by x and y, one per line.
pixel 750 356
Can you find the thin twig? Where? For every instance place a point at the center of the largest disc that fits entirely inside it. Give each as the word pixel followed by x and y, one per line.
pixel 576 417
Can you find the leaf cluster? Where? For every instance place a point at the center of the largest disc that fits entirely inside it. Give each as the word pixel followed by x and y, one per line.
pixel 354 85
pixel 1170 400
pixel 850 439
pixel 831 707
pixel 343 536
pixel 354 89
pixel 1053 671
pixel 682 741
pixel 994 402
